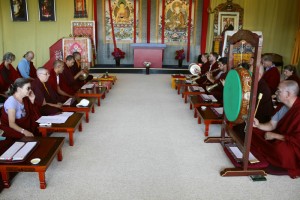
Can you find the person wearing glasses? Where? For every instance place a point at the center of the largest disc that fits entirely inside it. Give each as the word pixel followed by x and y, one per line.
pixel 45 96
pixel 25 67
pixel 19 113
pixel 8 74
pixel 277 141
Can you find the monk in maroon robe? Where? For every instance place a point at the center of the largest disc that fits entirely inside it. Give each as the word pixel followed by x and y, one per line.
pixel 212 65
pixel 290 73
pixel 45 96
pixel 278 140
pixel 68 81
pixel 271 75
pixel 8 74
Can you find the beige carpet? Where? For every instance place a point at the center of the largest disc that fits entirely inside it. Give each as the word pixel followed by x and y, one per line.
pixel 144 144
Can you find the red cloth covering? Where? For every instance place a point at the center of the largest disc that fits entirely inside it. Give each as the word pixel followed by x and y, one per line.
pixel 272 77
pixel 67 82
pixel 27 122
pixel 283 154
pixel 7 77
pixel 41 94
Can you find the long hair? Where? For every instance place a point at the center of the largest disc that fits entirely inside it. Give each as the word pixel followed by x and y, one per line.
pixel 19 83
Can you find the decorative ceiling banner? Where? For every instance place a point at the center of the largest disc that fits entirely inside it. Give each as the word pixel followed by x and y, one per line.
pixel 176 26
pixel 123 15
pixel 80 9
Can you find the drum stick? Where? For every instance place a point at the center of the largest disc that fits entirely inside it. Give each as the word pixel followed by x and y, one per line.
pixel 259 98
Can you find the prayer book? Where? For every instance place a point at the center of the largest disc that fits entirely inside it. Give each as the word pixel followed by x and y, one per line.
pixel 56 119
pixel 238 155
pixel 18 151
pixel 198 88
pixel 88 86
pixel 68 102
pixel 206 97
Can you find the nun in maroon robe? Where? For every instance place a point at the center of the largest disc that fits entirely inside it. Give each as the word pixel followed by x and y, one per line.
pixel 46 93
pixel 8 74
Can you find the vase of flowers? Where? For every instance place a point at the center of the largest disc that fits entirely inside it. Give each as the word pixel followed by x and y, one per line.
pixel 180 56
pixel 118 54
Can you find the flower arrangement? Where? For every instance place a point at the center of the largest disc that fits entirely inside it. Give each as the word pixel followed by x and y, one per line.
pixel 118 54
pixel 180 55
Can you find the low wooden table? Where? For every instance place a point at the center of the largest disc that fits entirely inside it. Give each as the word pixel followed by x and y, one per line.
pixel 176 77
pixel 209 117
pixel 182 84
pixel 46 150
pixel 190 91
pixel 109 78
pixel 70 126
pixel 86 110
pixel 95 92
pixel 196 102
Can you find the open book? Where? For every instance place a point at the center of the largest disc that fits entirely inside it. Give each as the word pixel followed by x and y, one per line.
pixel 87 86
pixel 238 155
pixel 18 151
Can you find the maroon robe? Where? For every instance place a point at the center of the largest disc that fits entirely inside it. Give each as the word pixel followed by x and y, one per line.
pixel 272 77
pixel 49 95
pixel 27 122
pixel 77 68
pixel 283 154
pixel 67 83
pixel 7 77
pixel 218 91
pixel 52 81
pixel 204 69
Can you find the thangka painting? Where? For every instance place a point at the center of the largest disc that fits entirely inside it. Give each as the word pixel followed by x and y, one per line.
pixel 176 14
pixel 123 20
pixel 80 9
pixel 84 29
pixel 81 45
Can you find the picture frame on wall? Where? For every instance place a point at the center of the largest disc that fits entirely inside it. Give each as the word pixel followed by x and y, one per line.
pixel 47 10
pixel 228 21
pixel 19 10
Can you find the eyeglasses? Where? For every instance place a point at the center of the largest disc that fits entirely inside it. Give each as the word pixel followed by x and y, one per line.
pixel 278 91
pixel 28 88
pixel 46 74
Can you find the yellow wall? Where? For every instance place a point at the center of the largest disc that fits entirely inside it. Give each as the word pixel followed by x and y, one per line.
pixel 277 19
pixel 19 37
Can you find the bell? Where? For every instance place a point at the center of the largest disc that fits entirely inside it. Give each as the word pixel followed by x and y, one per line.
pixel 83 76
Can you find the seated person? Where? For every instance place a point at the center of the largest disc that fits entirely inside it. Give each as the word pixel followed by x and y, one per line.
pixel 211 66
pixel 290 73
pixel 58 68
pixel 76 68
pixel 8 74
pixel 218 90
pixel 45 96
pixel 278 140
pixel 271 75
pixel 19 112
pixel 26 68
pixel 67 81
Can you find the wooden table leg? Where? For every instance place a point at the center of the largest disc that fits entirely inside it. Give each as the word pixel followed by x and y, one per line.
pixel 178 90
pixel 5 179
pixel 80 127
pixel 42 180
pixel 191 106
pixel 195 113
pixel 206 128
pixel 71 139
pixel 93 108
pixel 103 96
pixel 185 98
pixel 59 155
pixel 44 132
pixel 87 117
pixel 199 120
pixel 98 101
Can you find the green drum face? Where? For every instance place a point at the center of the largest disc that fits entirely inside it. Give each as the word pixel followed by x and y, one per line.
pixel 236 94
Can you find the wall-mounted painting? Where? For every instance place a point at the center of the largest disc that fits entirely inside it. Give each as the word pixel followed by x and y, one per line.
pixel 19 10
pixel 47 10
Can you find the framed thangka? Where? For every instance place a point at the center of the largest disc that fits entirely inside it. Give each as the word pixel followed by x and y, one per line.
pixel 123 21
pixel 176 15
pixel 47 10
pixel 19 10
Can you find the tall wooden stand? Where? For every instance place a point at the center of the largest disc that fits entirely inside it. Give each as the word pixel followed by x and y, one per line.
pixel 243 144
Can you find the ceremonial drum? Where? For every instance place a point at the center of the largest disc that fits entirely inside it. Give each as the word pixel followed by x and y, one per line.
pixel 236 94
